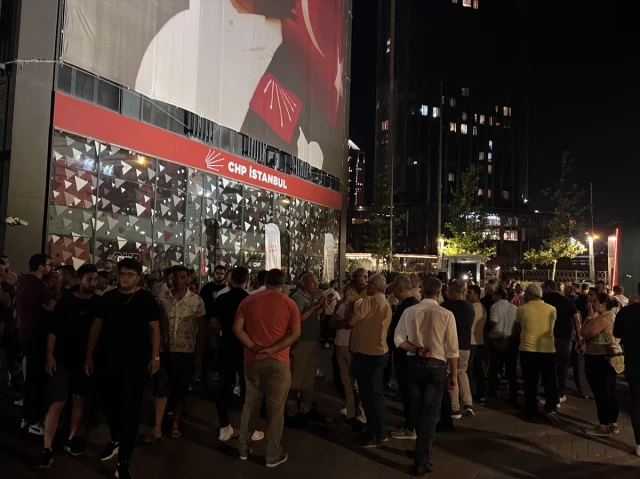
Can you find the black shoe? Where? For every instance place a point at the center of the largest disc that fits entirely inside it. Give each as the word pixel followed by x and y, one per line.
pixel 122 471
pixel 422 470
pixel 110 450
pixel 482 401
pixel 513 402
pixel 74 446
pixel 295 422
pixel 315 416
pixel 45 459
pixel 282 459
pixel 368 441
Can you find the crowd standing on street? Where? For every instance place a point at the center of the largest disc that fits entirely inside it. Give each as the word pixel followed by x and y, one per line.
pixel 96 337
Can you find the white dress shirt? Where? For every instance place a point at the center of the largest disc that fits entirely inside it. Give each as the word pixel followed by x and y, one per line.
pixel 503 313
pixel 331 307
pixel 428 325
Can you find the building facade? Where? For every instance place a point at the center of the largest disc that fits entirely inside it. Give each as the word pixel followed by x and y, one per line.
pixel 146 147
pixel 452 82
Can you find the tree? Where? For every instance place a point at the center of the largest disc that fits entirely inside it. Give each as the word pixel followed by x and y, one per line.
pixel 378 239
pixel 563 227
pixel 467 223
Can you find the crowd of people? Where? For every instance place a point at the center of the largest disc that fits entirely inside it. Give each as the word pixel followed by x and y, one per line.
pixel 107 332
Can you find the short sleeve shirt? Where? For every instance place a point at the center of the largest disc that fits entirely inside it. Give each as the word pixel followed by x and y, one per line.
pixel 369 336
pixel 309 328
pixel 31 297
pixel 537 320
pixel 565 308
pixel 268 316
pixel 178 321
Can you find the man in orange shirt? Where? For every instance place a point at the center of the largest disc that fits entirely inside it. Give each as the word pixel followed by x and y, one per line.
pixel 267 324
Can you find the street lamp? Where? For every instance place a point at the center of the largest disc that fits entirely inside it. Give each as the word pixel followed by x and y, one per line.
pixel 440 252
pixel 592 264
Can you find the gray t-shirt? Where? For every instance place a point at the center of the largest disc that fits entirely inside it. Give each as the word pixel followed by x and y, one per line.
pixel 309 329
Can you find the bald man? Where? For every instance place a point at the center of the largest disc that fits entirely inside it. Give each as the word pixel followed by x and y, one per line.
pixel 370 320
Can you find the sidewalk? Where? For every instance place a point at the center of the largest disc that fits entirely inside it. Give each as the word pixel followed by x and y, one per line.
pixel 495 443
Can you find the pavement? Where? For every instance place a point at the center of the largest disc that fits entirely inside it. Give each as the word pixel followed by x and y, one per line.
pixel 496 443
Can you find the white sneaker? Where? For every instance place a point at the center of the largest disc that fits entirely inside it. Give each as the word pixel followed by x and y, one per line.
pixel 37 429
pixel 19 402
pixel 257 436
pixel 236 391
pixel 563 398
pixel 638 450
pixel 343 411
pixel 227 433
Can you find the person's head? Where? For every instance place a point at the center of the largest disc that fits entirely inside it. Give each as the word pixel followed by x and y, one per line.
pixel 584 289
pixel 149 281
pixel 67 275
pixel 3 267
pixel 218 273
pixel 569 291
pixel 108 264
pixel 227 278
pixel 518 288
pixel 505 283
pixel 501 293
pixel 274 279
pixel 401 287
pixel 603 302
pixel 260 277
pixel 360 277
pixel 511 294
pixel 350 292
pixel 618 290
pixel 592 294
pixel 5 258
pixel 103 281
pixel 431 287
pixel 181 278
pixel 167 274
pixel 87 278
pixel 457 289
pixel 376 284
pixel 490 287
pixel 40 265
pixel 533 292
pixel 473 293
pixel 334 284
pixel 601 287
pixel 415 280
pixel 129 273
pixel 550 286
pixel 193 287
pixel 309 283
pixel 240 276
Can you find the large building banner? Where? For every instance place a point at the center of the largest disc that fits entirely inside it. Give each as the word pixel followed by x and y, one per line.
pixel 272 69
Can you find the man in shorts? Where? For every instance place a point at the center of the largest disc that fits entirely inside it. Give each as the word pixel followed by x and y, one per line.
pixel 182 329
pixel 66 346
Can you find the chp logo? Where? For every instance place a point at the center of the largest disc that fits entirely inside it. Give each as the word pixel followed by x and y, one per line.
pixel 214 160
pixel 116 257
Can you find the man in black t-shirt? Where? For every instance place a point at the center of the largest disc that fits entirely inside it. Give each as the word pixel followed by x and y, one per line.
pixel 208 293
pixel 66 347
pixel 231 350
pixel 126 341
pixel 464 314
pixel 567 321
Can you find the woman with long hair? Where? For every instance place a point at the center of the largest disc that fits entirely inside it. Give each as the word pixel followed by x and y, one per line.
pixel 604 360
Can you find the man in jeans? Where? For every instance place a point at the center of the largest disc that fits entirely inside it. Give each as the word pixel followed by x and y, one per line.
pixel 428 333
pixel 267 324
pixel 370 321
pixel 567 319
pixel 627 327
pixel 464 314
pixel 535 322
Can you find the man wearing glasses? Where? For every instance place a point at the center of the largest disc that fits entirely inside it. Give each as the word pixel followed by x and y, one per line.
pixel 126 341
pixel 304 354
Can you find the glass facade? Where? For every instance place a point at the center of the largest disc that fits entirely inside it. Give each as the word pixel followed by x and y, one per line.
pixel 110 202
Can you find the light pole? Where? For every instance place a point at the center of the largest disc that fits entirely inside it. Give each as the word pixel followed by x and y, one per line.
pixel 592 264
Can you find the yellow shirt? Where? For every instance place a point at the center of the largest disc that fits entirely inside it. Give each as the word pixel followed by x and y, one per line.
pixel 536 319
pixel 369 335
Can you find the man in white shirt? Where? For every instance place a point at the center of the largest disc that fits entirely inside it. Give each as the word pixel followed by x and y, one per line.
pixel 618 292
pixel 503 349
pixel 428 333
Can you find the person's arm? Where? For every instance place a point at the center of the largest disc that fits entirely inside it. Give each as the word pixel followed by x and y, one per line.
pixel 517 327
pixel 306 314
pixel 154 332
pixel 578 325
pixel 359 312
pixel 49 305
pixel 452 380
pixel 287 340
pixel 94 334
pixel 453 352
pixel 50 366
pixel 241 334
pixel 593 327
pixel 201 316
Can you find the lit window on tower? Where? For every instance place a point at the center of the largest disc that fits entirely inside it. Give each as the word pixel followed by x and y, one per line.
pixel 489 169
pixel 452 101
pixel 466 3
pixel 505 194
pixel 476 4
pixel 452 177
pixel 466 91
pixel 435 111
pixel 481 155
pixel 424 110
pixel 452 127
pixel 482 119
pixel 385 125
pixel 475 131
pixel 480 193
pixel 463 128
pixel 464 116
pixel 489 193
pixel 506 110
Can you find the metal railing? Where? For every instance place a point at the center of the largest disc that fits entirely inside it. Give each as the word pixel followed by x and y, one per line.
pixel 562 275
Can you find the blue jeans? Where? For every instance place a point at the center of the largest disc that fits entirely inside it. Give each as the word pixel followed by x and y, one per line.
pixel 429 378
pixel 369 371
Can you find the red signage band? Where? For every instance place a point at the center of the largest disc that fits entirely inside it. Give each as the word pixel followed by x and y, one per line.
pixel 91 121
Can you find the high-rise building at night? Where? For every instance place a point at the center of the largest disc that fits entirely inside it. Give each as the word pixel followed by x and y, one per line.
pixel 356 176
pixel 173 132
pixel 452 79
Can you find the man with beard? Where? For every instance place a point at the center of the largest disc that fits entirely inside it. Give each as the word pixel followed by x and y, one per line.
pixel 68 280
pixel 34 304
pixel 66 347
pixel 210 290
pixel 126 340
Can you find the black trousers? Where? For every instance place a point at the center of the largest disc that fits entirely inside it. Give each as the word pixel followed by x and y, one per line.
pixel 368 372
pixel 231 363
pixel 121 387
pixel 633 378
pixel 602 379
pixel 503 352
pixel 429 377
pixel 533 366
pixel 563 359
pixel 477 369
pixel 388 368
pixel 403 376
pixel 35 383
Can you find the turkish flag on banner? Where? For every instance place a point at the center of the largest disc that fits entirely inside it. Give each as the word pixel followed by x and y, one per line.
pixel 277 106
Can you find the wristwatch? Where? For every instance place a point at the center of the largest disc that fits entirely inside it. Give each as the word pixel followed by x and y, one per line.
pixel 156 359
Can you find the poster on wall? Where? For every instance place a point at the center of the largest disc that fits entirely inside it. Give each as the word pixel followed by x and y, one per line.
pixel 272 69
pixel 328 260
pixel 272 247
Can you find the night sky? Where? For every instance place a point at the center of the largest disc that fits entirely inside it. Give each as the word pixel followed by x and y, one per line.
pixel 584 97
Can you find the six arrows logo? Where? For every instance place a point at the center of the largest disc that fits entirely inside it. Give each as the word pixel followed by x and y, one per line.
pixel 214 160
